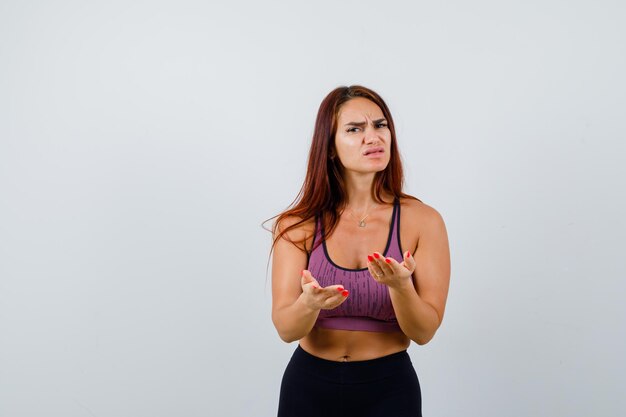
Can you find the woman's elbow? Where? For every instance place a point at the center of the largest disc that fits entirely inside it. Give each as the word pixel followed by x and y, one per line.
pixel 284 333
pixel 424 335
pixel 423 339
pixel 285 336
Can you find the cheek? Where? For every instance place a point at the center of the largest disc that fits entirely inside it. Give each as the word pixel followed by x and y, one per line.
pixel 346 147
pixel 388 140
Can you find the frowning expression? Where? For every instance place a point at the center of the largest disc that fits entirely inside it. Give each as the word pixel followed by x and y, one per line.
pixel 363 138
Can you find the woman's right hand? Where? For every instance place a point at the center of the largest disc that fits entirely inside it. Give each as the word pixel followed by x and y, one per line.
pixel 318 298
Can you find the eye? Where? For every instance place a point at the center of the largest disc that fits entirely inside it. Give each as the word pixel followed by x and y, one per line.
pixel 352 129
pixel 382 124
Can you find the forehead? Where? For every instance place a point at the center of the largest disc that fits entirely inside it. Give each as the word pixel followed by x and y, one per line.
pixel 359 108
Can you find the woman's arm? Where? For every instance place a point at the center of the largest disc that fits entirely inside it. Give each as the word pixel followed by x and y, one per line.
pixel 296 295
pixel 419 299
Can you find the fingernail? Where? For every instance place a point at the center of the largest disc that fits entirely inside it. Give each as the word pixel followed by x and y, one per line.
pixel 376 256
pixel 302 272
pixel 345 293
pixel 408 254
pixel 340 289
pixel 315 286
pixel 369 258
pixel 388 260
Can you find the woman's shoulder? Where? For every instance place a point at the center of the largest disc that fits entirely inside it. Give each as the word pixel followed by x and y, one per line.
pixel 299 224
pixel 417 211
pixel 296 228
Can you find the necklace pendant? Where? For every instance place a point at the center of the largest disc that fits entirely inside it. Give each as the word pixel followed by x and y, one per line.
pixel 362 223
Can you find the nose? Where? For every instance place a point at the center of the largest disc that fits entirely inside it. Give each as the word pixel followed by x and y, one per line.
pixel 371 136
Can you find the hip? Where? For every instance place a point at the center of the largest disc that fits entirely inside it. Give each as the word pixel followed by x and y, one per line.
pixel 381 387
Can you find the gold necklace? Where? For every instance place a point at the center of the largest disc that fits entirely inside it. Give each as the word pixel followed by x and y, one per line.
pixel 362 221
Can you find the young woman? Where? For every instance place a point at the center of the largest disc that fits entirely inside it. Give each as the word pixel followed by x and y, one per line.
pixel 359 270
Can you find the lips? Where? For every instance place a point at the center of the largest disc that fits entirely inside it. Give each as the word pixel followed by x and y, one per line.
pixel 374 150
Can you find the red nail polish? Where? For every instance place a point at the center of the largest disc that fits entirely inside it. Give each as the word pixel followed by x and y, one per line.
pixel 340 289
pixel 408 254
pixel 388 260
pixel 315 286
pixel 376 256
pixel 369 258
pixel 345 293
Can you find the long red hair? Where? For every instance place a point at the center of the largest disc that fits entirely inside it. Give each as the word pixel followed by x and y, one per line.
pixel 323 192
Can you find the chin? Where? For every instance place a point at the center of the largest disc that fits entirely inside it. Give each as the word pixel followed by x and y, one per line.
pixel 373 168
pixel 382 165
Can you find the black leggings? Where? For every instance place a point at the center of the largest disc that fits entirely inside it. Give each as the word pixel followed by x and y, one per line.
pixel 381 387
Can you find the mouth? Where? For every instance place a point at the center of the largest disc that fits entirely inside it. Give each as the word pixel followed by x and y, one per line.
pixel 375 151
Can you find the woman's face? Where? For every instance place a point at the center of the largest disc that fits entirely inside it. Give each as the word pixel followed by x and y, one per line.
pixel 363 138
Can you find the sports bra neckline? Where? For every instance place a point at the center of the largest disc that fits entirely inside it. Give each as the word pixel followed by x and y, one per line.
pixel 392 224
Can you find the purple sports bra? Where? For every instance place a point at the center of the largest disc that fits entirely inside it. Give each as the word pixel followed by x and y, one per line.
pixel 368 306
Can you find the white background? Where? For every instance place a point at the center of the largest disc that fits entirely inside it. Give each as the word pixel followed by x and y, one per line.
pixel 142 143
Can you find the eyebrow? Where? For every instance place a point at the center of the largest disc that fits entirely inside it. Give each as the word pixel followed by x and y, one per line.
pixel 363 123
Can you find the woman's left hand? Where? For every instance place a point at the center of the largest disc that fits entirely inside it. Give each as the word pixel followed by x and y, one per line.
pixel 389 272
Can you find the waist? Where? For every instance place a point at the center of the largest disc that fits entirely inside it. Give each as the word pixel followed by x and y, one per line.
pixel 352 372
pixel 350 345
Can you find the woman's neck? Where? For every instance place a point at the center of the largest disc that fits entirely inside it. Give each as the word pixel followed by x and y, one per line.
pixel 359 192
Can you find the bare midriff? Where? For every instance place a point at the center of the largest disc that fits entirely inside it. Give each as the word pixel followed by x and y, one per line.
pixel 350 345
